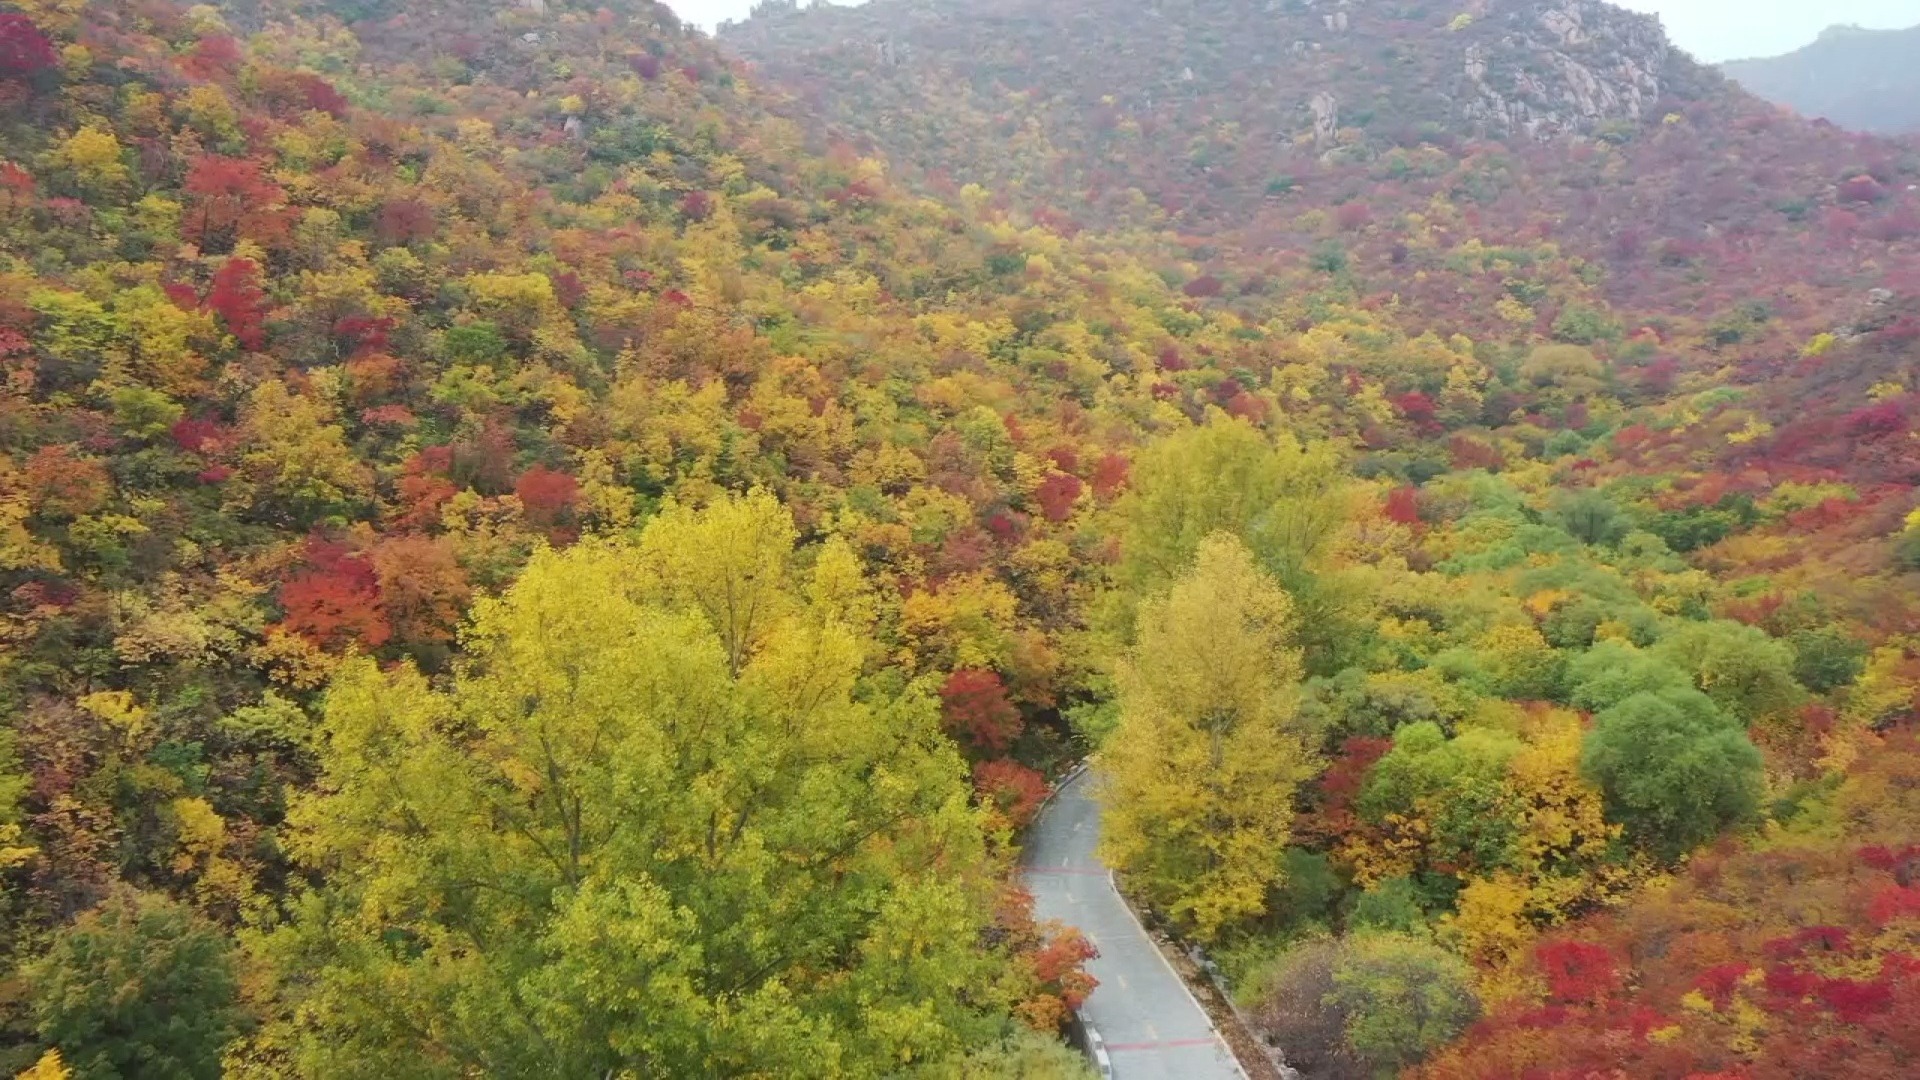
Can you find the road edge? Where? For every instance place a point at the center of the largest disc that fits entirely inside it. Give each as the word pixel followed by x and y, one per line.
pixel 1113 885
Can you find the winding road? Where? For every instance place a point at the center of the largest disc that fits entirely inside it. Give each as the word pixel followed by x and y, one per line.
pixel 1152 1025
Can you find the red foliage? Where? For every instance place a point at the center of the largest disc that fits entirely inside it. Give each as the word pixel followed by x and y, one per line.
pixel 398 416
pixel 1852 1001
pixel 1205 285
pixel 1894 902
pixel 423 488
pixel 976 711
pixel 1576 971
pixel 24 50
pixel 321 95
pixel 569 289
pixel 546 494
pixel 1471 453
pixel 360 335
pixel 1352 216
pixel 1416 407
pixel 1340 785
pixel 236 297
pixel 645 65
pixel 1056 495
pixel 230 199
pixel 334 601
pixel 197 436
pixel 15 180
pixel 404 221
pixel 696 206
pixel 1247 407
pixel 1886 418
pixel 216 56
pixel 1861 189
pixel 60 483
pixel 1109 476
pixel 1061 963
pixel 1011 788
pixel 1403 505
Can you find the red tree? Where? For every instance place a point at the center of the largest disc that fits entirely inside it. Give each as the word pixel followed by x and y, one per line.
pixel 404 221
pixel 1403 506
pixel 1011 788
pixel 236 297
pixel 546 494
pixel 334 601
pixel 1056 495
pixel 24 50
pixel 231 198
pixel 1577 972
pixel 976 711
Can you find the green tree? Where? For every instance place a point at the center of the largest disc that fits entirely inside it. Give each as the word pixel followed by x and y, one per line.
pixel 1590 517
pixel 636 836
pixel 1403 997
pixel 1825 659
pixel 1198 781
pixel 1745 672
pixel 1613 671
pixel 139 986
pixel 1675 769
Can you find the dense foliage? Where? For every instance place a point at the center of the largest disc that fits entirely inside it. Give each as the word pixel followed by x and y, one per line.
pixel 519 557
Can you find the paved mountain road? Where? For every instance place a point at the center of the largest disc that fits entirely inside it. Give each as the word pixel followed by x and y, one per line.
pixel 1152 1026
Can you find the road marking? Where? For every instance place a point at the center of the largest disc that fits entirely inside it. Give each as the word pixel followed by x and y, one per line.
pixel 1065 870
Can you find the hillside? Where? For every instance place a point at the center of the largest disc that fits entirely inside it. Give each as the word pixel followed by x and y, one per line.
pixel 1860 79
pixel 1396 141
pixel 532 546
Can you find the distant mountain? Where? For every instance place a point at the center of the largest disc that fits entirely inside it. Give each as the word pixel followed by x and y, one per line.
pixel 1409 136
pixel 1868 80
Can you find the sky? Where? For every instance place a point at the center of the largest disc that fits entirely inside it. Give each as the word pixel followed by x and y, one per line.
pixel 1712 30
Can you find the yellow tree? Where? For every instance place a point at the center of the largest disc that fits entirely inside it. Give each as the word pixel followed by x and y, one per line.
pixel 655 827
pixel 1198 780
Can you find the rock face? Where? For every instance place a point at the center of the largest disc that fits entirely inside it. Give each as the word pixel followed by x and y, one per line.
pixel 1867 80
pixel 1566 68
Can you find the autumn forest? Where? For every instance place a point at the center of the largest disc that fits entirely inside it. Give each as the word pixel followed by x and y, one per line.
pixel 539 542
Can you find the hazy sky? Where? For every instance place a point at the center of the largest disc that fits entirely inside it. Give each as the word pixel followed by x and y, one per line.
pixel 1710 29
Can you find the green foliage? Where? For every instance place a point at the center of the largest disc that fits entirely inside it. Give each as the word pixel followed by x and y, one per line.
pixel 1590 517
pixel 1825 659
pixel 1392 905
pixel 1403 998
pixel 1675 769
pixel 1745 672
pixel 140 986
pixel 1578 324
pixel 1613 671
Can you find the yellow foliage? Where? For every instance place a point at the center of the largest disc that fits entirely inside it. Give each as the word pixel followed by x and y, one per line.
pixel 293 661
pixel 1491 926
pixel 95 157
pixel 967 622
pixel 49 1067
pixel 1199 777
pixel 118 708
pixel 206 108
pixel 1884 688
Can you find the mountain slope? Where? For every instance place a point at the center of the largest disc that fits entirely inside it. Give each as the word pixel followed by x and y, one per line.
pixel 1867 80
pixel 1394 133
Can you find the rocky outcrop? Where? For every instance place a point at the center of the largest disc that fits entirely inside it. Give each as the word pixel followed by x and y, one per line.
pixel 1565 68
